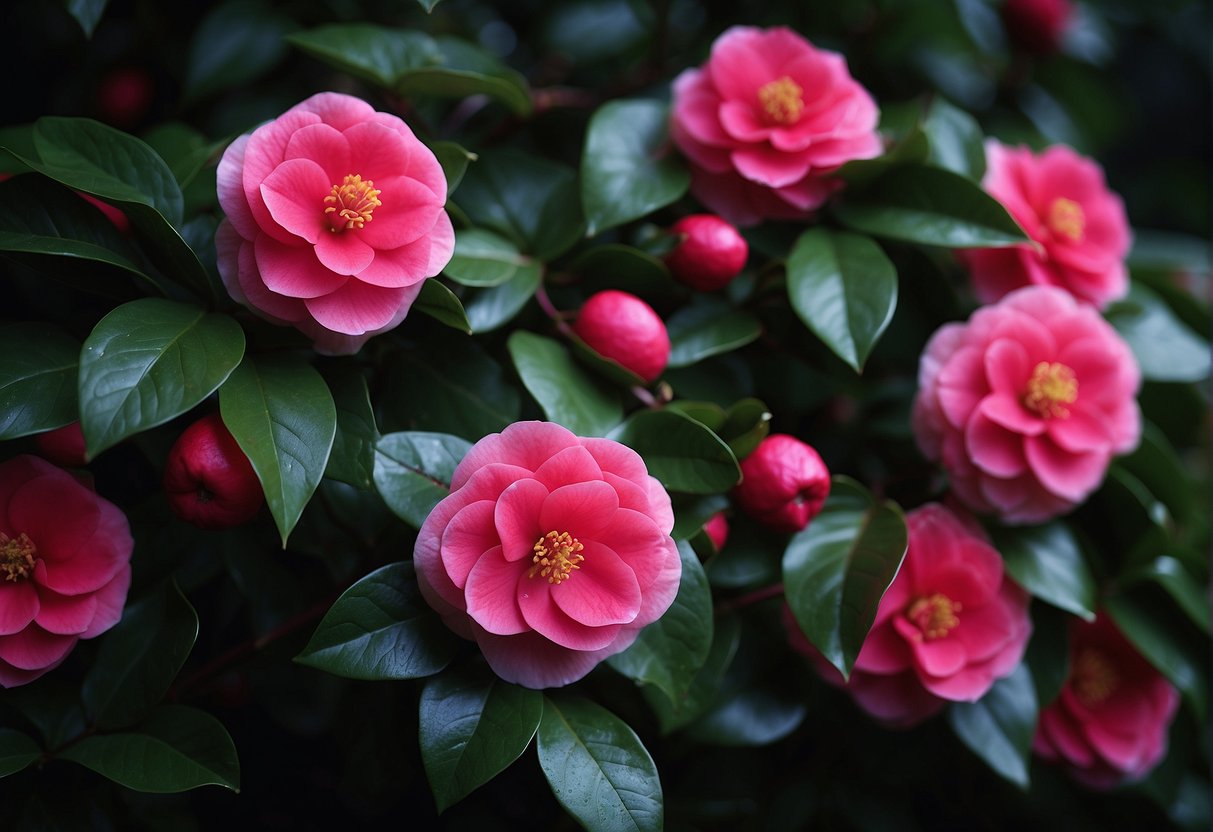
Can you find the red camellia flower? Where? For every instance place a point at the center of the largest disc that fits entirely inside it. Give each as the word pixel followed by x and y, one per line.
pixel 64 567
pixel 334 219
pixel 622 327
pixel 784 483
pixel 1037 26
pixel 709 254
pixel 208 479
pixel 947 628
pixel 552 552
pixel 1079 227
pixel 717 528
pixel 1026 403
pixel 1109 723
pixel 765 121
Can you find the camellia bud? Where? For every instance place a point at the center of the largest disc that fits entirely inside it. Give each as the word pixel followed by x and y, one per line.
pixel 717 528
pixel 710 253
pixel 208 479
pixel 784 483
pixel 1037 26
pixel 624 328
pixel 63 446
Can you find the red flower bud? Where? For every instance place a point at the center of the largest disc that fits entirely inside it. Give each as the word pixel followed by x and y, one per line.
pixel 1037 26
pixel 208 479
pixel 710 254
pixel 785 483
pixel 63 446
pixel 717 529
pixel 624 328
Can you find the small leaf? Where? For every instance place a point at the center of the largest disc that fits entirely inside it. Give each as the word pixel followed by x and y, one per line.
pixel 87 13
pixel 482 258
pixel 353 457
pixel 282 415
pixel 1163 644
pixel 38 365
pixel 472 726
pixel 16 751
pixel 454 159
pixel 680 452
pixel 844 288
pixel 836 570
pixel 428 5
pixel 1166 349
pixel 706 328
pixel 440 303
pixel 956 140
pixel 616 266
pixel 1047 562
pixel 491 308
pixel 567 396
pixel 998 728
pixel 597 767
pixel 413 471
pixel 704 687
pixel 1172 576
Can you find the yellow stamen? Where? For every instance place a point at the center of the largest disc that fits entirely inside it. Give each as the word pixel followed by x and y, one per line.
pixel 1050 389
pixel 1093 678
pixel 350 204
pixel 935 615
pixel 1066 219
pixel 16 556
pixel 557 554
pixel 781 101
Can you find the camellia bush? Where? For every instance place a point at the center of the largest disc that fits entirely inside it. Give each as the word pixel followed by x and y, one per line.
pixel 605 414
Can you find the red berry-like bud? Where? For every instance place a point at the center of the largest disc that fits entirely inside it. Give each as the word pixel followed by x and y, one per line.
pixel 63 446
pixel 784 483
pixel 1037 26
pixel 717 529
pixel 209 480
pixel 124 96
pixel 622 327
pixel 710 254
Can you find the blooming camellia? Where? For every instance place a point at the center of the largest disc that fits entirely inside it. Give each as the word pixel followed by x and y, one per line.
pixel 334 219
pixel 1109 723
pixel 764 122
pixel 1078 227
pixel 64 567
pixel 947 628
pixel 1026 404
pixel 552 552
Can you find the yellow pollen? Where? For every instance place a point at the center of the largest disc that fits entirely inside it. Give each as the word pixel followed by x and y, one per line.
pixel 350 204
pixel 557 554
pixel 935 615
pixel 1050 389
pixel 1093 678
pixel 1066 219
pixel 16 556
pixel 781 101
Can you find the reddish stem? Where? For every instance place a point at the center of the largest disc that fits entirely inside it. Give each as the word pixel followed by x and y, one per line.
pixel 749 599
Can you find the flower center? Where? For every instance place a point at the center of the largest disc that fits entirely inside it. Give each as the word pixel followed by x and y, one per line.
pixel 349 205
pixel 557 554
pixel 935 615
pixel 1066 219
pixel 1050 389
pixel 16 556
pixel 1093 678
pixel 781 101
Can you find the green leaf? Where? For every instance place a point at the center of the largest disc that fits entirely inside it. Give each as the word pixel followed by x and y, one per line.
pixel 1164 646
pixel 1164 347
pixel 234 44
pixel 456 388
pixel 704 687
pixel 182 148
pixel 454 159
pixel 745 424
pixel 353 457
pixel 597 767
pixel 1048 654
pixel 440 303
pixel 708 327
pixel 140 658
pixel 175 749
pixel 567 395
pixel 680 452
pixel 466 70
pixel 836 570
pixel 1047 562
pixel 149 361
pixel 413 471
pixel 489 309
pixel 930 206
pixel 482 258
pixel 16 751
pixel 998 728
pixel 472 726
pixel 670 651
pixel 428 5
pixel 1172 576
pixel 37 379
pixel 911 149
pixel 372 53
pixel 282 415
pixel 753 716
pixel 381 628
pixel 956 140
pixel 87 13
pixel 844 288
pixel 626 170
pixel 616 266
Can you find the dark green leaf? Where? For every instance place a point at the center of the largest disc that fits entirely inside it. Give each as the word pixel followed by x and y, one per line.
pixel 182 148
pixel 428 5
pixel 37 379
pixel 607 367
pixel 1164 646
pixel 16 751
pixel 413 471
pixel 455 389
pixel 616 266
pixel 466 70
pixel 680 452
pixel 482 258
pixel 1048 654
pixel 1046 561
pixel 1164 347
pixel 626 172
pixel 491 308
pixel 473 725
pixel 567 395
pixel 234 44
pixel 956 140
pixel 440 303
pixel 1159 468
pixel 149 361
pixel 175 749
pixel 690 514
pixel 381 628
pixel 87 13
pixel 1171 575
pixel 597 767
pixel 998 728
pixel 745 424
pixel 353 457
pixel 844 288
pixel 373 53
pixel 708 327
pixel 911 149
pixel 704 687
pixel 454 159
pixel 753 716
pixel 836 570
pixel 282 415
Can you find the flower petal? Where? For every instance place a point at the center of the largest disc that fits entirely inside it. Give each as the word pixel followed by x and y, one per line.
pixel 492 593
pixel 466 538
pixel 294 271
pixel 66 614
pixel 294 194
pixel 516 516
pixel 603 591
pixel 541 613
pixel 18 605
pixel 344 252
pixel 358 307
pixel 582 509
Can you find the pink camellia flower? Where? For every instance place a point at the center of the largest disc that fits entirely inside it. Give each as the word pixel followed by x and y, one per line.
pixel 552 552
pixel 1026 403
pixel 64 567
pixel 765 121
pixel 1109 723
pixel 1078 227
pixel 334 219
pixel 949 626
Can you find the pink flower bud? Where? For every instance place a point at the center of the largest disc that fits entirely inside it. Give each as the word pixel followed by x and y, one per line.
pixel 784 483
pixel 208 479
pixel 710 254
pixel 624 328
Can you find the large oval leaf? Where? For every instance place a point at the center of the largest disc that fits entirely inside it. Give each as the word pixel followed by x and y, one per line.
pixel 353 457
pixel 482 258
pixel 1047 562
pixel 836 571
pixel 38 367
pixel 488 309
pixel 567 395
pixel 680 452
pixel 440 303
pixel 413 471
pixel 149 361
pixel 708 327
pixel 16 751
pixel 999 727
pixel 1164 346
pixel 1161 638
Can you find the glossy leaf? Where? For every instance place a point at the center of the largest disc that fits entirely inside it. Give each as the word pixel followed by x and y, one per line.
pixel 456 389
pixel 1048 653
pixel 38 366
pixel 373 53
pixel 956 140
pixel 1172 576
pixel 464 70
pixel 998 728
pixel 495 307
pixel 567 395
pixel 680 452
pixel 440 303
pixel 149 361
pixel 844 288
pixel 1164 646
pixel 472 726
pixel 454 159
pixel 628 269
pixel 705 685
pixel 1164 347
pixel 753 716
pixel 282 415
pixel 87 13
pixel 353 456
pixel 234 44
pixel 911 149
pixel 381 628
pixel 597 767
pixel 836 570
pixel 482 258
pixel 413 471
pixel 707 328
pixel 1047 562
pixel 16 751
